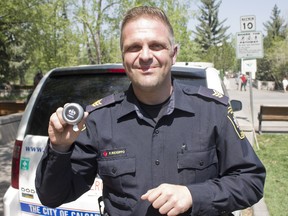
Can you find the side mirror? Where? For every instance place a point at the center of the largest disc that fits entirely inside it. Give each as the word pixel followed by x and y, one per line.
pixel 236 105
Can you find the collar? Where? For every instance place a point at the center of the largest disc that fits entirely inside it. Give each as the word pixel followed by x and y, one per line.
pixel 178 100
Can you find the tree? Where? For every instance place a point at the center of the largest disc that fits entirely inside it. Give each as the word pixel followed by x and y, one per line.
pixel 179 17
pixel 276 26
pixel 4 58
pixel 223 56
pixel 95 17
pixel 13 52
pixel 210 31
pixel 44 34
pixel 274 64
pixel 35 35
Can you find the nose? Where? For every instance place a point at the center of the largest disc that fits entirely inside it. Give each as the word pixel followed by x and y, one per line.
pixel 145 54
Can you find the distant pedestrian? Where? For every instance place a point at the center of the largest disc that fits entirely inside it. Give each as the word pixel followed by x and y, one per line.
pixel 243 82
pixel 285 83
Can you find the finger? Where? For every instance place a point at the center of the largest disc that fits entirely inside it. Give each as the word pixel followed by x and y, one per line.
pixel 166 208
pixel 154 197
pixel 55 123
pixel 173 212
pixel 145 196
pixel 161 202
pixel 59 113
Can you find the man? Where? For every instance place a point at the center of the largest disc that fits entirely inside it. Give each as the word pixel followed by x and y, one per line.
pixel 160 147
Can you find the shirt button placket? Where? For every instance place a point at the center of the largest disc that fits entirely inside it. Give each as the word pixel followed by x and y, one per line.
pixel 156 156
pixel 155 133
pixel 157 162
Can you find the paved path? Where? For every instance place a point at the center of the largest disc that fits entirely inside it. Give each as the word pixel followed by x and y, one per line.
pixel 5 164
pixel 259 97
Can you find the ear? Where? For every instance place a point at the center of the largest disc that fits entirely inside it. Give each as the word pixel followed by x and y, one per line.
pixel 174 55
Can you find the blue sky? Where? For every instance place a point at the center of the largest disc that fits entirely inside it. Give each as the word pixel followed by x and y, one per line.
pixel 234 9
pixel 261 9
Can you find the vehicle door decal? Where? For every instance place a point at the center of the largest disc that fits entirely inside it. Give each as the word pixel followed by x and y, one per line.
pixel 43 210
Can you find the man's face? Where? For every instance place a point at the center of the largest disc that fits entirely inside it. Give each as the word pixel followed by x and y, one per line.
pixel 148 54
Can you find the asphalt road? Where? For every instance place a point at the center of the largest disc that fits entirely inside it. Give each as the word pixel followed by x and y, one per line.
pixel 5 174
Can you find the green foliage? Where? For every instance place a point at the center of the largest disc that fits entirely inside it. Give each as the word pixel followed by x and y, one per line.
pixel 179 16
pixel 12 40
pixel 275 27
pixel 273 154
pixel 223 56
pixel 210 31
pixel 43 34
pixel 273 67
pixel 212 39
pixel 36 35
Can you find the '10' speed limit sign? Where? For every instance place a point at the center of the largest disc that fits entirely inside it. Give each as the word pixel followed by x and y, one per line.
pixel 248 23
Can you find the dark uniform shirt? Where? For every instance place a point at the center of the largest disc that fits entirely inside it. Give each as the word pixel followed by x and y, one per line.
pixel 196 143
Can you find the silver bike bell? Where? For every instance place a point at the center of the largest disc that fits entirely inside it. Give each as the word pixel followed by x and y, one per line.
pixel 73 114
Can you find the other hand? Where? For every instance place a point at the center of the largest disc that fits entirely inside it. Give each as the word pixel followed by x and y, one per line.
pixel 169 199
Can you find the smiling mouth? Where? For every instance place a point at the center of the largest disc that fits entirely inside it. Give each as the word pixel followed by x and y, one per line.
pixel 147 69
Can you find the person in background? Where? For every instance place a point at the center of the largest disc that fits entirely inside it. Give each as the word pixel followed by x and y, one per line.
pixel 285 83
pixel 161 147
pixel 243 82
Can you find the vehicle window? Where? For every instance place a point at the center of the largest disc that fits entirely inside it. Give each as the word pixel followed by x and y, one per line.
pixel 83 89
pixel 194 81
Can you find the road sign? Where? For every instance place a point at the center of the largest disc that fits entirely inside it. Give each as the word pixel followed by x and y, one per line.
pixel 249 65
pixel 247 23
pixel 249 45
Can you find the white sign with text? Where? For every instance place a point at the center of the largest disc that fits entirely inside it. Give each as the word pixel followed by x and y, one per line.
pixel 249 45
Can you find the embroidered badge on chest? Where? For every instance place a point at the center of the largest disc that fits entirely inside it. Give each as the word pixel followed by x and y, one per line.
pixel 114 153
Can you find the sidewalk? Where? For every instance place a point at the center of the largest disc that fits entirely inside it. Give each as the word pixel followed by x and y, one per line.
pixel 258 97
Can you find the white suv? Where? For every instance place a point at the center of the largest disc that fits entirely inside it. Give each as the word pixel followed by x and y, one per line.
pixel 83 85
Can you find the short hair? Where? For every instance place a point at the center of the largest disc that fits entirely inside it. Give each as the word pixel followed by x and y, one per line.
pixel 146 11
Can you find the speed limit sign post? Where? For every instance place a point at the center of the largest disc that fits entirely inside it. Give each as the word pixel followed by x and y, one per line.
pixel 247 23
pixel 249 46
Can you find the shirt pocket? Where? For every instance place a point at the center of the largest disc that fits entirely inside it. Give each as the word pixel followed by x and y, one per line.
pixel 195 167
pixel 118 175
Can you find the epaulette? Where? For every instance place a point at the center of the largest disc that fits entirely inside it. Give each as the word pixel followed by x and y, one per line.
pixel 209 93
pixel 105 102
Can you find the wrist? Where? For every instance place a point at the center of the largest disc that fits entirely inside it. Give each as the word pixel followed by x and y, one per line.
pixel 60 148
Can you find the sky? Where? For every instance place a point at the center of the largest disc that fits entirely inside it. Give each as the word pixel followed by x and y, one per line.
pixel 261 9
pixel 232 10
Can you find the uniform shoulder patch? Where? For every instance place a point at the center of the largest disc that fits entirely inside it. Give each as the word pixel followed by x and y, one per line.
pixel 105 102
pixel 210 93
pixel 234 122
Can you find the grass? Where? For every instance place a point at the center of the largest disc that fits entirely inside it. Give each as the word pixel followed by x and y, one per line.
pixel 274 155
